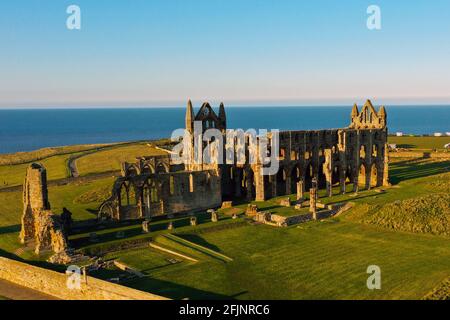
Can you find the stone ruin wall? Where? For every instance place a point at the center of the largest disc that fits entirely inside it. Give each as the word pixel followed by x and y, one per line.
pixel 40 227
pixel 55 284
pixel 357 154
pixel 142 195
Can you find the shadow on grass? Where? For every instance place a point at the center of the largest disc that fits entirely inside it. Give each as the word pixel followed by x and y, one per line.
pixel 161 287
pixel 198 240
pixel 10 229
pixel 134 230
pixel 176 291
pixel 406 170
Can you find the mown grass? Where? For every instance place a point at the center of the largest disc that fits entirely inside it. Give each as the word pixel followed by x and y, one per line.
pixel 319 260
pixel 92 159
pixel 37 155
pixel 14 175
pixel 424 143
pixel 111 159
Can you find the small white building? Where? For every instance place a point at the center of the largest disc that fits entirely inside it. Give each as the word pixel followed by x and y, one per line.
pixel 438 134
pixel 399 134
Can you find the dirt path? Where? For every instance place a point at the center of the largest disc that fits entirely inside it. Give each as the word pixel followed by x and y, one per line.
pixel 13 291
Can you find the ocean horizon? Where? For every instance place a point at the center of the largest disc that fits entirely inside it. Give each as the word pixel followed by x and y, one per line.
pixel 26 129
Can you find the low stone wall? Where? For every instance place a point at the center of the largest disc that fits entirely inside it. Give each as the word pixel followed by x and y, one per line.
pixel 417 154
pixel 55 284
pixel 289 221
pixel 282 221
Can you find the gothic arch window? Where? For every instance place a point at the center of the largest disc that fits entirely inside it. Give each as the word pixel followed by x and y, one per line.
pixel 191 183
pixel 160 168
pixel 154 193
pixel 362 151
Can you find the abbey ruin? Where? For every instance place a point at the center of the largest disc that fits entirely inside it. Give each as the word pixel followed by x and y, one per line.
pixel 40 227
pixel 155 186
pixel 158 186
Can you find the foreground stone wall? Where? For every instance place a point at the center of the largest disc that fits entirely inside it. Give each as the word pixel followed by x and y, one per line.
pixel 55 284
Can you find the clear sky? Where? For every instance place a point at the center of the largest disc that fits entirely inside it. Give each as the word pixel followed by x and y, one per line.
pixel 244 52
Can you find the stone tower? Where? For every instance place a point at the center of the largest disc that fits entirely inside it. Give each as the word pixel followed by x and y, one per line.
pixel 35 199
pixel 40 227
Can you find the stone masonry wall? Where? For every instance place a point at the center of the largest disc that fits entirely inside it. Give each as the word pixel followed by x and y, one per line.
pixel 55 284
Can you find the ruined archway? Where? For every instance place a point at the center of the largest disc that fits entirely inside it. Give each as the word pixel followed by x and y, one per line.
pixel 374 176
pixel 281 182
pixel 309 174
pixel 248 185
pixel 362 177
pixel 160 168
pixel 295 177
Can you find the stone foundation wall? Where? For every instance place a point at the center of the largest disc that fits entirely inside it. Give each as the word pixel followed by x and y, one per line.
pixel 55 284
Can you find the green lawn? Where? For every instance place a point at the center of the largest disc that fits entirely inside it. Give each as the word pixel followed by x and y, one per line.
pixel 425 143
pixel 110 159
pixel 318 260
pixel 14 175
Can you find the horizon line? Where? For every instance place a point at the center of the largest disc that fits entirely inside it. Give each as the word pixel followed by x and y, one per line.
pixel 125 106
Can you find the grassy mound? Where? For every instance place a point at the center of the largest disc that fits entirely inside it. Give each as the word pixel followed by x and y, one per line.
pixel 425 214
pixel 94 195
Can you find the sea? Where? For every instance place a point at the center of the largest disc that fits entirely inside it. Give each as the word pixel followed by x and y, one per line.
pixel 31 128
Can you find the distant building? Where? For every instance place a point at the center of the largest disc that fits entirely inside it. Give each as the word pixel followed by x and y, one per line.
pixel 399 134
pixel 438 134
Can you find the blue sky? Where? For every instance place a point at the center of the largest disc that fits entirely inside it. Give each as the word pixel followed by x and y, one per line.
pixel 244 52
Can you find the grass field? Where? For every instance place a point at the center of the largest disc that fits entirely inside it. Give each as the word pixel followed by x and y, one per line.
pixel 325 260
pixel 423 143
pixel 315 260
pixel 14 175
pixel 110 159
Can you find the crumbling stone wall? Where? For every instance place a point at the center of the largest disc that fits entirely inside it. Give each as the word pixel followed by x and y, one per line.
pixel 144 192
pixel 40 227
pixel 55 284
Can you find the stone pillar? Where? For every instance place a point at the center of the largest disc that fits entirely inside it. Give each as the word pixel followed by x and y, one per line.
pixel 146 226
pixel 313 202
pixel 355 183
pixel 342 148
pixel 314 183
pixel 342 175
pixel 259 184
pixel 249 188
pixel 237 184
pixel 328 171
pixel 300 193
pixel 273 182
pixel 288 184
pixel 368 177
pixel 385 172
